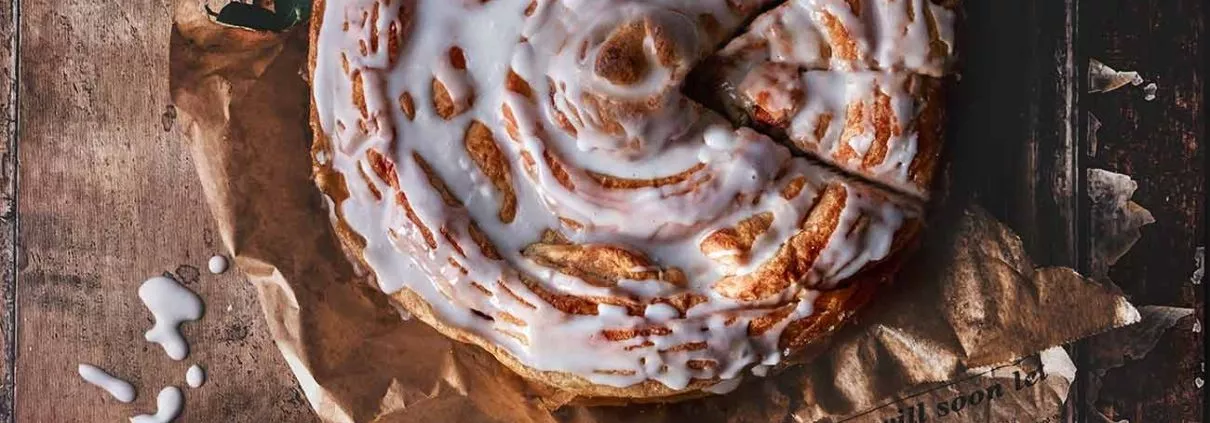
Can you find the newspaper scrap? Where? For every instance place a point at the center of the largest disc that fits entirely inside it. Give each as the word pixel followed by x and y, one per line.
pixel 1103 79
pixel 1032 389
pixel 1115 219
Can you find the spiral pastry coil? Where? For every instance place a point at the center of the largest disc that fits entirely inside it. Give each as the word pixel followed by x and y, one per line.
pixel 530 176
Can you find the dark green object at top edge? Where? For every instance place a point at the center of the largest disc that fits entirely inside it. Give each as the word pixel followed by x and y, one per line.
pixel 285 15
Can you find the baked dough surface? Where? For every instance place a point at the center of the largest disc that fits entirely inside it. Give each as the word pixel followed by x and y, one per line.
pixel 530 177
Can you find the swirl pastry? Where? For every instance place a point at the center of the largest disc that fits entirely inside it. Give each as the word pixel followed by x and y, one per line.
pixel 529 177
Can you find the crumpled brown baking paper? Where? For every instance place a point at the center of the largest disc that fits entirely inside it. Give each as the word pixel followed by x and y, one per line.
pixel 969 314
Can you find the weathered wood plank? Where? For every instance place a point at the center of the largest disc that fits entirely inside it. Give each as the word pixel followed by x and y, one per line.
pixel 1011 131
pixel 109 198
pixel 1013 128
pixel 8 215
pixel 1160 144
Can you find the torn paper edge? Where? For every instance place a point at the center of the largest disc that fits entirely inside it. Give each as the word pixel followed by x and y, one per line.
pixel 1103 79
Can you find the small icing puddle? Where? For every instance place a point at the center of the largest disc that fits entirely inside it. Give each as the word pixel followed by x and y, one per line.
pixel 217 264
pixel 195 376
pixel 171 304
pixel 167 407
pixel 121 390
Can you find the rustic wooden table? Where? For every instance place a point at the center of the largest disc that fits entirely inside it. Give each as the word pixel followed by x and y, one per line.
pixel 97 194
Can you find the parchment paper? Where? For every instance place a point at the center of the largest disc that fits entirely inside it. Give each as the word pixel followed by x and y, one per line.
pixel 970 311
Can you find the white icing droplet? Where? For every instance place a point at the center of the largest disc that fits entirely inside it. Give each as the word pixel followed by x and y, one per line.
pixel 121 390
pixel 217 264
pixel 171 304
pixel 660 312
pixel 195 376
pixel 167 406
pixel 610 310
pixel 1149 91
pixel 760 370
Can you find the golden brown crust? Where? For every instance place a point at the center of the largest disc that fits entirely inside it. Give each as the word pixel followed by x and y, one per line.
pixel 731 245
pixel 481 145
pixel 793 260
pixel 601 265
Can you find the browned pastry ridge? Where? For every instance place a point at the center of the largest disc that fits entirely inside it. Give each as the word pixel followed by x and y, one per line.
pixel 622 61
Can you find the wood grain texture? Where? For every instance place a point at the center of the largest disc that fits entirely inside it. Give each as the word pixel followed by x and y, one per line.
pixel 8 214
pixel 110 198
pixel 1160 144
pixel 1010 129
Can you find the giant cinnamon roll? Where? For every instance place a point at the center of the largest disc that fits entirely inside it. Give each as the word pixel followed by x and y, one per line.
pixel 529 177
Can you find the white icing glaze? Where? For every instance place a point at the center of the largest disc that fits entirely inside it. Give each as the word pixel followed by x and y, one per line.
pixel 739 173
pixel 217 264
pixel 171 304
pixel 195 377
pixel 875 240
pixel 168 405
pixel 120 390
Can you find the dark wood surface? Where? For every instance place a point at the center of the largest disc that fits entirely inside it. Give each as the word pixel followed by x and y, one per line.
pixel 1021 147
pixel 94 193
pixel 1161 143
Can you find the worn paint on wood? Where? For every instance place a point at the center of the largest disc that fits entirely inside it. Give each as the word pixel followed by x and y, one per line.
pixel 8 213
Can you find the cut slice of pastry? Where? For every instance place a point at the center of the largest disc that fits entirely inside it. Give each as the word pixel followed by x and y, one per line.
pixel 886 126
pixel 528 177
pixel 853 83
